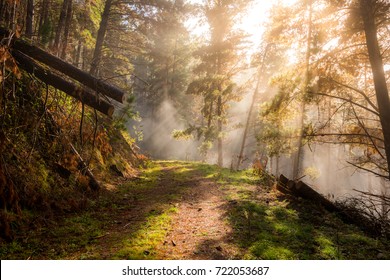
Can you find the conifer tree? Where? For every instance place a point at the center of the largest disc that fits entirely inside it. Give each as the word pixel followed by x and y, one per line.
pixel 219 62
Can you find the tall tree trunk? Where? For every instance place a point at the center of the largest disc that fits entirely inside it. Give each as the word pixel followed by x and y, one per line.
pixel 44 30
pixel 219 126
pixel 367 9
pixel 97 54
pixel 42 15
pixel 60 26
pixel 254 97
pixel 2 6
pixel 68 22
pixel 166 81
pixel 299 154
pixel 78 54
pixel 29 18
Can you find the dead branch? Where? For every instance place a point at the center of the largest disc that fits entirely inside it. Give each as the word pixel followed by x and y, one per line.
pixel 362 93
pixel 349 100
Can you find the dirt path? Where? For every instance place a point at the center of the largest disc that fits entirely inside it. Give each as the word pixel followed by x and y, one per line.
pixel 199 230
pixel 196 229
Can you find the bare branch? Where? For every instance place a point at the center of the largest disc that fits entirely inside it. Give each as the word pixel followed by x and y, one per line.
pixel 362 93
pixel 368 134
pixel 368 170
pixel 350 101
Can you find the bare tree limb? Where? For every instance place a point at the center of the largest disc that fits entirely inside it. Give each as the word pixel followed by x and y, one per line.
pixel 368 134
pixel 368 170
pixel 362 93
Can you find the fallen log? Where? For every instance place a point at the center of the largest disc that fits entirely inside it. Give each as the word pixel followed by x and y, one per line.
pixel 45 75
pixel 62 66
pixel 305 191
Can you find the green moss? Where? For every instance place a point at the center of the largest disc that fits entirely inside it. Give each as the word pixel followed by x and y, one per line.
pixel 327 249
pixel 143 243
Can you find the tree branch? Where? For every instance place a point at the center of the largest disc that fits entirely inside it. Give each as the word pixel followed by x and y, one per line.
pixel 368 170
pixel 350 101
pixel 362 93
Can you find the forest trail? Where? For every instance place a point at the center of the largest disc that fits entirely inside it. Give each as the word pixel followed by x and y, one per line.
pixel 176 212
pixel 199 229
pixel 190 210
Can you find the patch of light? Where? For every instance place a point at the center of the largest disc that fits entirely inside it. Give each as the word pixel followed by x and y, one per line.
pixel 332 44
pixel 252 22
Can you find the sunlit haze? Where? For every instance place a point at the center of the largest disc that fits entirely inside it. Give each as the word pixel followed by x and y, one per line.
pixel 252 22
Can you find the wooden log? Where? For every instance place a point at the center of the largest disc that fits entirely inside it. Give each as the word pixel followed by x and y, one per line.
pixel 283 180
pixel 305 191
pixel 45 75
pixel 62 66
pixel 309 193
pixel 282 183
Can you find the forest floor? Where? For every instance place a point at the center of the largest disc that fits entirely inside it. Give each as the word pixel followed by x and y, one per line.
pixel 189 210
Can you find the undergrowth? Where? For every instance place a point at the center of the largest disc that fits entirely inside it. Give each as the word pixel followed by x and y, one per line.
pixel 41 175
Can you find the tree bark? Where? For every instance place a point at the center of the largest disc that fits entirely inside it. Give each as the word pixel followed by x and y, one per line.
pixel 43 17
pixel 68 22
pixel 97 54
pixel 299 154
pixel 29 18
pixel 255 93
pixel 58 82
pixel 219 126
pixel 60 26
pixel 367 10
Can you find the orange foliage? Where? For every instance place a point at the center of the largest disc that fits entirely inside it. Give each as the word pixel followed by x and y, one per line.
pixel 259 165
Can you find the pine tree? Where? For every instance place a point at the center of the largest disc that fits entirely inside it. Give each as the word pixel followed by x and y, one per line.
pixel 218 65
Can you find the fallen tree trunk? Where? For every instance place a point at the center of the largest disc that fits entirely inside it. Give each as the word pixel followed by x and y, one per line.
pixel 307 192
pixel 58 82
pixel 352 216
pixel 66 68
pixel 303 190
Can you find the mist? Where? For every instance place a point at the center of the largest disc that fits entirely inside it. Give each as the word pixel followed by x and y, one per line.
pixel 324 166
pixel 157 140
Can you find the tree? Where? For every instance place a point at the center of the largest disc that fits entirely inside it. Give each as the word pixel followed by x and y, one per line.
pixel 29 18
pixel 97 54
pixel 370 9
pixel 218 65
pixel 60 25
pixel 68 21
pixel 306 82
pixel 339 95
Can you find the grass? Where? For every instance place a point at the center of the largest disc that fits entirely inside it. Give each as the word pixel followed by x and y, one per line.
pixel 143 243
pixel 282 232
pixel 57 241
